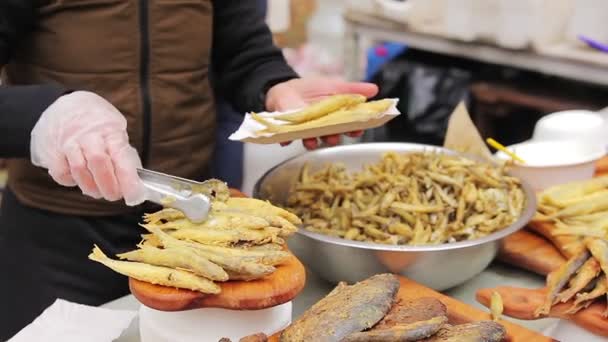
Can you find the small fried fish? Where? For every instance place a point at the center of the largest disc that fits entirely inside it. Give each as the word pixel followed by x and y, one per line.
pixel 180 258
pixel 156 274
pixel 587 272
pixel 557 279
pixel 600 289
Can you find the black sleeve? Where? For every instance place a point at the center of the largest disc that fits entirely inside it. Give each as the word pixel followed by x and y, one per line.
pixel 20 106
pixel 245 60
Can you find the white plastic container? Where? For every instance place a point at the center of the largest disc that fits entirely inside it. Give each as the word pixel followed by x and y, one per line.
pixel 551 163
pixel 210 324
pixel 582 125
pixel 459 20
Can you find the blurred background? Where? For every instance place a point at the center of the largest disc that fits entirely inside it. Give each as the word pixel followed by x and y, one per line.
pixel 511 61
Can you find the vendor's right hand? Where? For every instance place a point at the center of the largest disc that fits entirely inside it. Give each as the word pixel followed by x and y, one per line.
pixel 82 140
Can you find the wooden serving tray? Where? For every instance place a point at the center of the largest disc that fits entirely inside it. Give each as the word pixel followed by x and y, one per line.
pixel 521 303
pixel 528 250
pixel 459 312
pixel 280 287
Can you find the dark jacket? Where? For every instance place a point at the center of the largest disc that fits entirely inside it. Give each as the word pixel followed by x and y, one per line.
pixel 150 58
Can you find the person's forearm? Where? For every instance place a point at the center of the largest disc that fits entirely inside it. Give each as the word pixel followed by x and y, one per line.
pixel 20 109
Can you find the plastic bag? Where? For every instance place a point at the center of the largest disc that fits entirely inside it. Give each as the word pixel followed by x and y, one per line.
pixel 428 94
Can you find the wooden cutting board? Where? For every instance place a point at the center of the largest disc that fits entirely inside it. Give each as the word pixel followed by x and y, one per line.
pixel 530 251
pixel 280 287
pixel 459 312
pixel 521 303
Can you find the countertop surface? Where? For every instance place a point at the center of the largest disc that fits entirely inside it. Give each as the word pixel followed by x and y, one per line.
pixel 495 275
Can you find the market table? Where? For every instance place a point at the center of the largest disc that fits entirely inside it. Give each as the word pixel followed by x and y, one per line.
pixel 496 275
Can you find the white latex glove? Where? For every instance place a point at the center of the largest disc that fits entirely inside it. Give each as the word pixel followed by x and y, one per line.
pixel 82 140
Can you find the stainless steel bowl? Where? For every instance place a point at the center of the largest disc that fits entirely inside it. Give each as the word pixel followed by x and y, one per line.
pixel 334 259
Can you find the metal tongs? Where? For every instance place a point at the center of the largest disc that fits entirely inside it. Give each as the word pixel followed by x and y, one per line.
pixel 175 192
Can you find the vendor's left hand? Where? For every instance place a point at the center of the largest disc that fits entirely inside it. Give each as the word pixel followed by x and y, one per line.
pixel 298 93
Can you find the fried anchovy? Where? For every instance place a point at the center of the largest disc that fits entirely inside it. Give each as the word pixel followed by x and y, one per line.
pixel 400 333
pixel 482 331
pixel 350 309
pixel 557 279
pixel 587 272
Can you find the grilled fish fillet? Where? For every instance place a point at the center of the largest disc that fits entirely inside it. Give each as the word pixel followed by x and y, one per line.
pixel 401 333
pixel 347 310
pixel 411 311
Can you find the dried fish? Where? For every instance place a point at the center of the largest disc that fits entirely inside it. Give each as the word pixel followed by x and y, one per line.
pixel 348 310
pixel 584 275
pixel 557 279
pixel 182 258
pixel 401 333
pixel 496 306
pixel 156 274
pixel 483 331
pixel 414 198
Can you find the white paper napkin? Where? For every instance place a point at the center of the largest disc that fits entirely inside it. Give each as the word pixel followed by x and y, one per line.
pixel 70 322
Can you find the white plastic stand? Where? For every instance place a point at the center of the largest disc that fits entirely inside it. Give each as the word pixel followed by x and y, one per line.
pixel 210 324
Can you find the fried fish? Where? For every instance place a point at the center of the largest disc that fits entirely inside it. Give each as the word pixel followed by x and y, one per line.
pixel 348 310
pixel 557 279
pixel 156 274
pixel 415 331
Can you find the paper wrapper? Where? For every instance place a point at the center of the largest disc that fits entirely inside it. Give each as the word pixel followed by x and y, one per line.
pixel 462 135
pixel 249 127
pixel 70 322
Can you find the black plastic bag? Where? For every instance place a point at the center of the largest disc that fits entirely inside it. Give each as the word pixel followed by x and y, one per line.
pixel 428 92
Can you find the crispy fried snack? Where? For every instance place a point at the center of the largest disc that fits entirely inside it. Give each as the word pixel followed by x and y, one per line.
pixel 345 114
pixel 242 239
pixel 323 107
pixel 416 198
pixel 156 274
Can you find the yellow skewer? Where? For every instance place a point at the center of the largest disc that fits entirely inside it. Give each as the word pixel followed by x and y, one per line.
pixel 503 149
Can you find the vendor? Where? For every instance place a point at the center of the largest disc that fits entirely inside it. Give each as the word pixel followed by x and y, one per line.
pixel 103 87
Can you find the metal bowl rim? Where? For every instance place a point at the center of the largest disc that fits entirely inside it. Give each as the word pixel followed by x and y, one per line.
pixel 521 222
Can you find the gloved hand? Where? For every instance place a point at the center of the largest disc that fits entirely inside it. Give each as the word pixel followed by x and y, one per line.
pixel 82 140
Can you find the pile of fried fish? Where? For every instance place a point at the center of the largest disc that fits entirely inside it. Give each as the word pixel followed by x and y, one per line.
pixel 578 213
pixel 370 311
pixel 336 109
pixel 242 239
pixel 414 198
